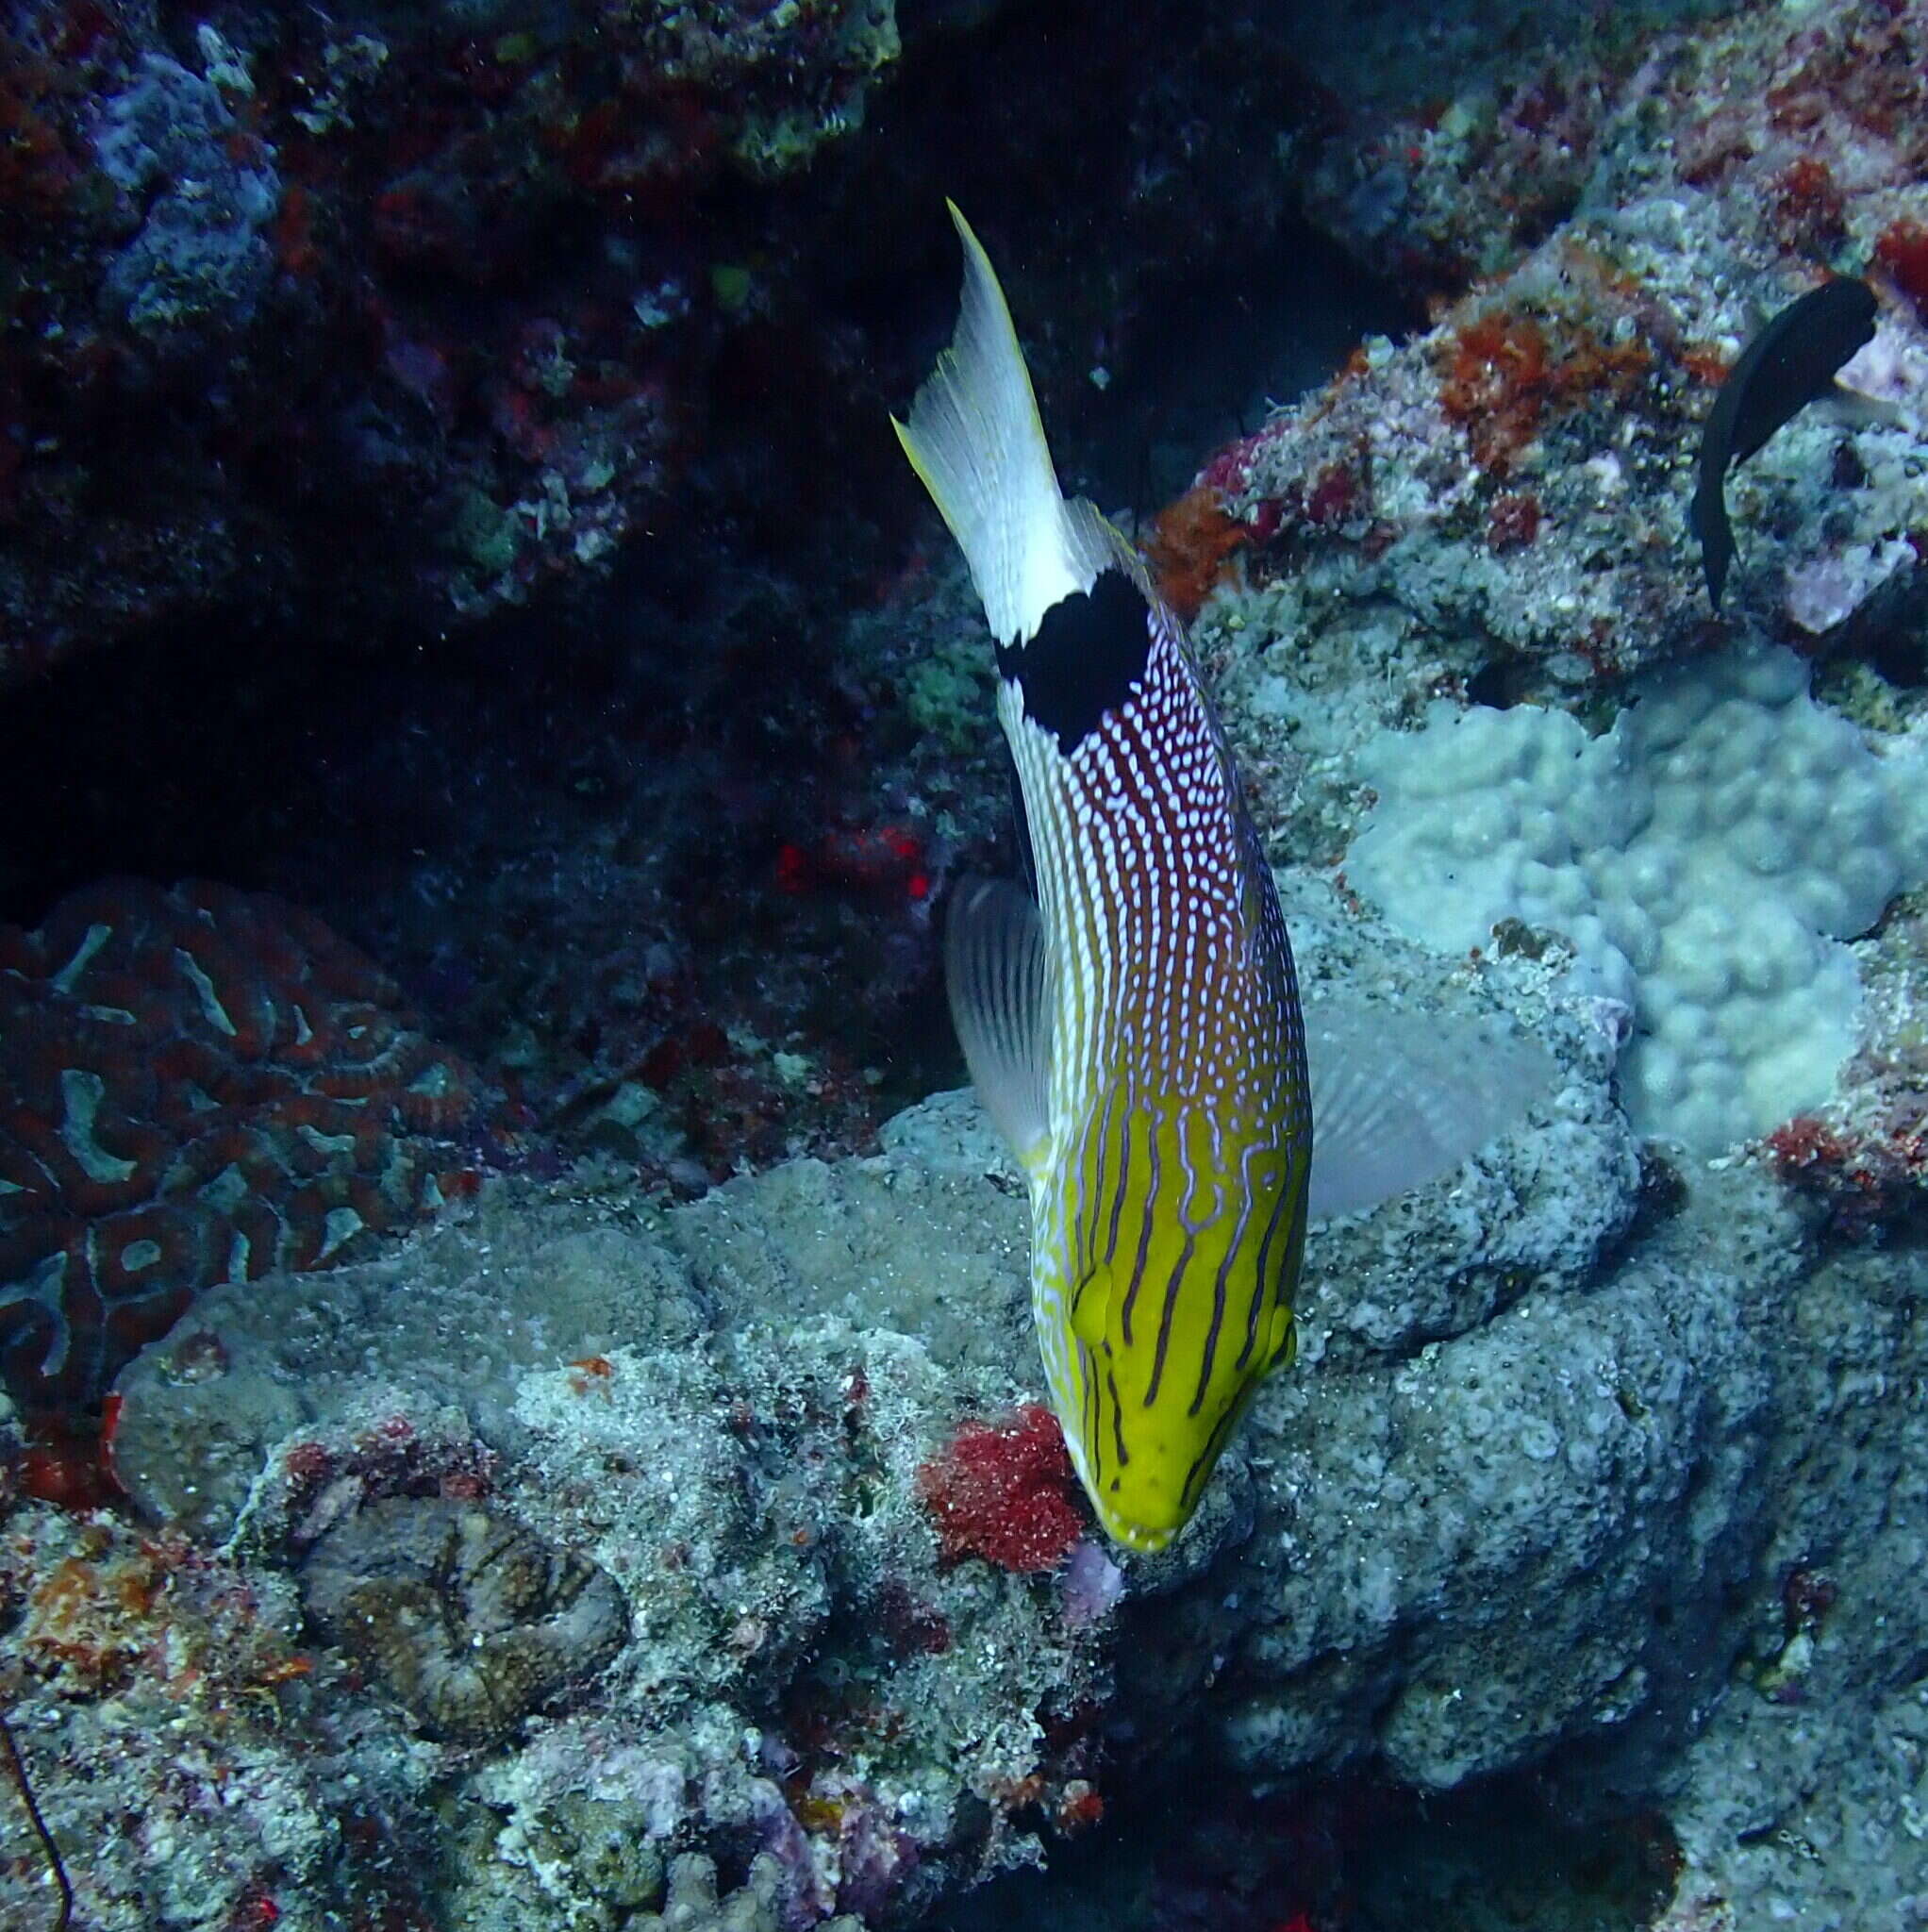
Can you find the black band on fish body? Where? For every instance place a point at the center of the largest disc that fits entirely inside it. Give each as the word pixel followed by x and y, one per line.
pixel 1086 654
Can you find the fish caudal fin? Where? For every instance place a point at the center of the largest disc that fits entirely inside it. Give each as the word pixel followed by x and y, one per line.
pixel 1707 519
pixel 974 438
pixel 998 976
pixel 1400 1098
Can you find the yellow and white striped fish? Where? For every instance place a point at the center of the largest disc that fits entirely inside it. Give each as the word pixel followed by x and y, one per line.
pixel 1135 1033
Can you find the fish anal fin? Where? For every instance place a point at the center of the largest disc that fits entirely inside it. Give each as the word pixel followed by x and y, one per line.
pixel 998 976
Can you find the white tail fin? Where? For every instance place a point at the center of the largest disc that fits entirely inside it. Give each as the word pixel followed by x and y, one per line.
pixel 974 438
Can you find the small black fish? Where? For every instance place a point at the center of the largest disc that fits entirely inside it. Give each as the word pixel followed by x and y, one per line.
pixel 1791 363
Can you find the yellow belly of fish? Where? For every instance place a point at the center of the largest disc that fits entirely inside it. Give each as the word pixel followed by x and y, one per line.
pixel 1150 1384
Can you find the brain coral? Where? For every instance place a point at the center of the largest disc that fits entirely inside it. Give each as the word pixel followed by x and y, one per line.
pixel 196 1086
pixel 471 1620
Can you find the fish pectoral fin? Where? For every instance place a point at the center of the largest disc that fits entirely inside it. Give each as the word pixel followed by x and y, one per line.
pixel 1401 1098
pixel 998 976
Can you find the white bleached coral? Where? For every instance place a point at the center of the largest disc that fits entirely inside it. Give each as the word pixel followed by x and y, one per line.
pixel 1706 857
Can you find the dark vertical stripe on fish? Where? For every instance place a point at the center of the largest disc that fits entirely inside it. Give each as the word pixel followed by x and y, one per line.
pixel 1234 1248
pixel 1153 1190
pixel 1207 1461
pixel 1093 1435
pixel 1123 1173
pixel 1172 1291
pixel 1284 1198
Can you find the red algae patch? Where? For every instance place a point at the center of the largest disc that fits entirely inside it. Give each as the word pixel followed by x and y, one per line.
pixel 1003 1492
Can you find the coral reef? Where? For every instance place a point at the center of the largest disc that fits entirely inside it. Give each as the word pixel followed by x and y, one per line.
pixel 751 1495
pixel 1450 152
pixel 1800 1801
pixel 465 1616
pixel 520 287
pixel 1861 1160
pixel 460 1317
pixel 196 1086
pixel 1518 1391
pixel 1706 857
pixel 764 1500
pixel 600 1556
pixel 205 192
pixel 1620 1453
pixel 188 1680
pixel 493 294
pixel 1516 479
pixel 694 1907
pixel 298 201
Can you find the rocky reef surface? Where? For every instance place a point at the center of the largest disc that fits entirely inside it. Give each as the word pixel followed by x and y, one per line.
pixel 615 1536
pixel 1518 476
pixel 669 1535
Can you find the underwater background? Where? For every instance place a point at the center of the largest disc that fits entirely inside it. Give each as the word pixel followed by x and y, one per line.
pixel 521 1406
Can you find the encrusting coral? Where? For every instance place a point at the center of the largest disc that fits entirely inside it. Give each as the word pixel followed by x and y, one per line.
pixel 1706 858
pixel 754 1906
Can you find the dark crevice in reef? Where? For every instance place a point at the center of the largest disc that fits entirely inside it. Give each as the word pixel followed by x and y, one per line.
pixel 711 780
pixel 1375 1857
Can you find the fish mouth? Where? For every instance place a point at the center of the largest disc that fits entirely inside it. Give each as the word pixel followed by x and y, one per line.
pixel 1144 1539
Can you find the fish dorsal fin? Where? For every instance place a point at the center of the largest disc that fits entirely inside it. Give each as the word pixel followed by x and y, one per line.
pixel 1400 1098
pixel 998 976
